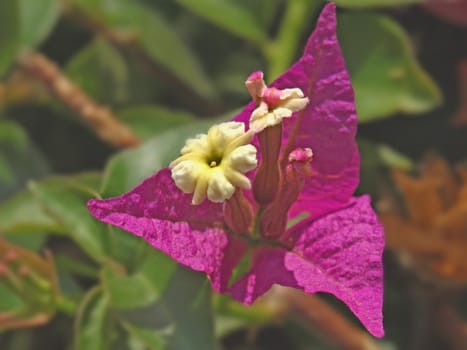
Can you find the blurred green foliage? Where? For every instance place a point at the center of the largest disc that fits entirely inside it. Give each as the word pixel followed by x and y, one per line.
pixel 166 70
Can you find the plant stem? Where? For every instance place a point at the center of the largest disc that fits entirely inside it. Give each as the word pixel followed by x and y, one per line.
pixel 280 51
pixel 257 314
pixel 100 118
pixel 66 305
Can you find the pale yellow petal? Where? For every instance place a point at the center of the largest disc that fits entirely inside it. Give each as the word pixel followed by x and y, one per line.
pixel 196 144
pixel 199 194
pixel 295 104
pixel 185 174
pixel 291 93
pixel 243 158
pixel 219 188
pixel 238 179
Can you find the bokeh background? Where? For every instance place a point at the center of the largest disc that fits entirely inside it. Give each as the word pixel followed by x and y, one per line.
pixel 96 95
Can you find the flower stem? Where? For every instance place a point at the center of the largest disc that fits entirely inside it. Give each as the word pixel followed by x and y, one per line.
pixel 66 305
pixel 267 179
pixel 258 313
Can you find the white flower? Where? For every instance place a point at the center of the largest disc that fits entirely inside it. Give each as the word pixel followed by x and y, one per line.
pixel 272 104
pixel 270 113
pixel 213 165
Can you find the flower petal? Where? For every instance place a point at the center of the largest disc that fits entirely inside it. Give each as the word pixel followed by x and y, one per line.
pixel 159 212
pixel 327 125
pixel 339 253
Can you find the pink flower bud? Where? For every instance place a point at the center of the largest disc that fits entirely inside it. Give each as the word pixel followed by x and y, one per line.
pixel 273 220
pixel 255 85
pixel 272 96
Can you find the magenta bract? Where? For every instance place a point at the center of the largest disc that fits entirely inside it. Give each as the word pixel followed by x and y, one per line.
pixel 336 249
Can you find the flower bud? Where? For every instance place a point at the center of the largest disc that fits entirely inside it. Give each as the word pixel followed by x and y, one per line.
pixel 273 221
pixel 255 85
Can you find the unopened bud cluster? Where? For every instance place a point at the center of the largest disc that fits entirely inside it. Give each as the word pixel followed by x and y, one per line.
pixel 26 275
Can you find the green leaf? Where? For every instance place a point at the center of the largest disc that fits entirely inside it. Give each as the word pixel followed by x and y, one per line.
pixel 157 268
pixel 19 159
pixel 385 73
pixel 145 339
pixel 393 159
pixel 38 17
pixel 58 205
pixel 65 203
pixel 265 11
pixel 188 298
pixel 228 15
pixel 22 214
pixel 147 121
pixel 9 301
pixel 377 161
pixel 235 67
pixel 31 240
pixel 155 316
pixel 127 291
pixel 125 248
pixel 72 265
pixel 26 222
pixel 93 325
pixel 375 155
pixel 141 288
pixel 128 168
pixel 88 181
pixel 184 308
pixel 375 3
pixel 101 71
pixel 154 36
pixel 231 315
pixel 111 76
pixel 9 33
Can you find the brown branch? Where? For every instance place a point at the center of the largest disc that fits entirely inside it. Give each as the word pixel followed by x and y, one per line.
pixel 325 321
pixel 100 118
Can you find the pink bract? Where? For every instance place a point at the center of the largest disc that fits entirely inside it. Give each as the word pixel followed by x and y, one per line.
pixel 329 122
pixel 336 249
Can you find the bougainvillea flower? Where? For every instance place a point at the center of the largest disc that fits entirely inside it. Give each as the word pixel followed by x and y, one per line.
pixel 212 165
pixel 299 224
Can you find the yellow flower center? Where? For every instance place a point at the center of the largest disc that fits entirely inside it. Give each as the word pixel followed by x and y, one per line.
pixel 213 165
